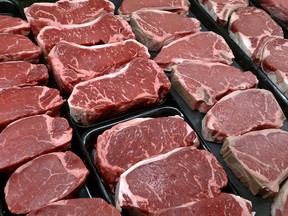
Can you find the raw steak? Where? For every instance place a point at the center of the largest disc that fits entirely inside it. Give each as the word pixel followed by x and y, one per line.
pixel 16 47
pixel 22 73
pixel 224 204
pixel 280 203
pixel 140 83
pixel 72 63
pixel 30 137
pixel 274 61
pixel 202 84
pixel 259 159
pixel 14 25
pixel 176 6
pixel 43 180
pixel 107 28
pixel 170 181
pixel 220 10
pixel 250 37
pixel 127 143
pixel 16 103
pixel 240 112
pixel 61 12
pixel 156 28
pixel 77 207
pixel 205 46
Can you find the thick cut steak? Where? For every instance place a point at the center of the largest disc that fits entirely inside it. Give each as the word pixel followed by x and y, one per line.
pixel 77 207
pixel 16 47
pixel 170 181
pixel 259 159
pixel 16 103
pixel 72 63
pixel 22 73
pixel 277 8
pixel 176 6
pixel 280 203
pixel 140 83
pixel 220 10
pixel 107 28
pixel 251 37
pixel 127 143
pixel 223 204
pixel 30 137
pixel 240 112
pixel 202 84
pixel 156 28
pixel 14 25
pixel 205 46
pixel 61 12
pixel 43 180
pixel 274 61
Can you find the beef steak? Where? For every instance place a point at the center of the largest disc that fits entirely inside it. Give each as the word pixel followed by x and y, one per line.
pixel 30 137
pixel 170 181
pixel 259 159
pixel 202 84
pixel 14 25
pixel 280 203
pixel 129 142
pixel 205 46
pixel 240 112
pixel 155 28
pixel 138 84
pixel 72 63
pixel 43 180
pixel 277 8
pixel 22 73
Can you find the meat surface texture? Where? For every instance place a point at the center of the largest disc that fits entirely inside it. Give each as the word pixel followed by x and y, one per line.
pixel 170 181
pixel 21 73
pixel 280 203
pixel 221 10
pixel 127 143
pixel 274 61
pixel 240 112
pixel 72 63
pixel 140 83
pixel 156 28
pixel 202 84
pixel 107 28
pixel 259 159
pixel 62 12
pixel 77 207
pixel 176 6
pixel 16 103
pixel 16 47
pixel 251 37
pixel 224 204
pixel 43 180
pixel 277 8
pixel 30 137
pixel 14 25
pixel 205 46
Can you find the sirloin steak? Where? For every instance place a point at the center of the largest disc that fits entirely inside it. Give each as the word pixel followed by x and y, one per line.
pixel 170 181
pixel 205 46
pixel 43 180
pixel 30 137
pixel 22 73
pixel 259 159
pixel 202 84
pixel 140 83
pixel 62 12
pixel 77 207
pixel 107 28
pixel 127 143
pixel 240 112
pixel 280 203
pixel 156 28
pixel 14 25
pixel 72 63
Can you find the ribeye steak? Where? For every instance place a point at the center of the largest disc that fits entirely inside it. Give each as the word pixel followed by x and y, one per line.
pixel 14 25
